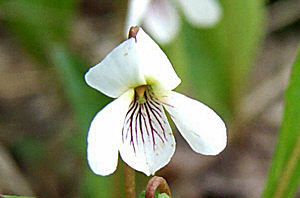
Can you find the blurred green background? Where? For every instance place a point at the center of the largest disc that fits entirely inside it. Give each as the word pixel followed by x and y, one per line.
pixel 240 68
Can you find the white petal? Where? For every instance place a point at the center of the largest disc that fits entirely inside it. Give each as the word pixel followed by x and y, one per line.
pixel 136 61
pixel 162 21
pixel 104 135
pixel 148 144
pixel 136 13
pixel 156 67
pixel 201 127
pixel 201 13
pixel 118 72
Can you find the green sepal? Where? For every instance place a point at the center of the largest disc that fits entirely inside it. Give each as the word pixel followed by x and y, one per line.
pixel 157 195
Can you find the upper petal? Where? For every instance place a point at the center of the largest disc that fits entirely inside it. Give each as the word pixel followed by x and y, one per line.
pixel 137 61
pixel 156 67
pixel 136 13
pixel 104 135
pixel 201 13
pixel 118 71
pixel 147 140
pixel 201 127
pixel 162 21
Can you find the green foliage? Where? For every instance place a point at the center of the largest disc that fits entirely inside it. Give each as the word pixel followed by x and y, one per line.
pixel 84 100
pixel 38 23
pixel 157 195
pixel 284 175
pixel 215 62
pixel 163 195
pixel 42 26
pixel 142 194
pixel 13 196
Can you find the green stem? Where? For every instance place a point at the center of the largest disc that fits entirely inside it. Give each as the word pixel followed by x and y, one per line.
pixel 129 177
pixel 287 174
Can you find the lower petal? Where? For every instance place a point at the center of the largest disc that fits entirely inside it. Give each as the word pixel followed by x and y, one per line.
pixel 200 126
pixel 201 13
pixel 147 140
pixel 104 135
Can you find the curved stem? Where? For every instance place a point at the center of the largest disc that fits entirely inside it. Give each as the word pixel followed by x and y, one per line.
pixel 157 183
pixel 129 176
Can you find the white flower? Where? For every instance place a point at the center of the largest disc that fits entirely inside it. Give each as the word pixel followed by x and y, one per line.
pixel 161 19
pixel 139 75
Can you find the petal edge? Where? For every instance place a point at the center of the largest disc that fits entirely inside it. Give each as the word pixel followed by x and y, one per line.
pixel 200 126
pixel 117 72
pixel 104 133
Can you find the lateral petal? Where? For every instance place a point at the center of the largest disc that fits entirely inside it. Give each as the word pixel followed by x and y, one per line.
pixel 104 135
pixel 200 126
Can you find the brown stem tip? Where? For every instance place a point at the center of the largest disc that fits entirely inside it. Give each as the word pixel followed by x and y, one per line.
pixel 133 32
pixel 157 183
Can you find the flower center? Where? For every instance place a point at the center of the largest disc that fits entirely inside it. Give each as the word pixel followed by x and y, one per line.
pixel 140 93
